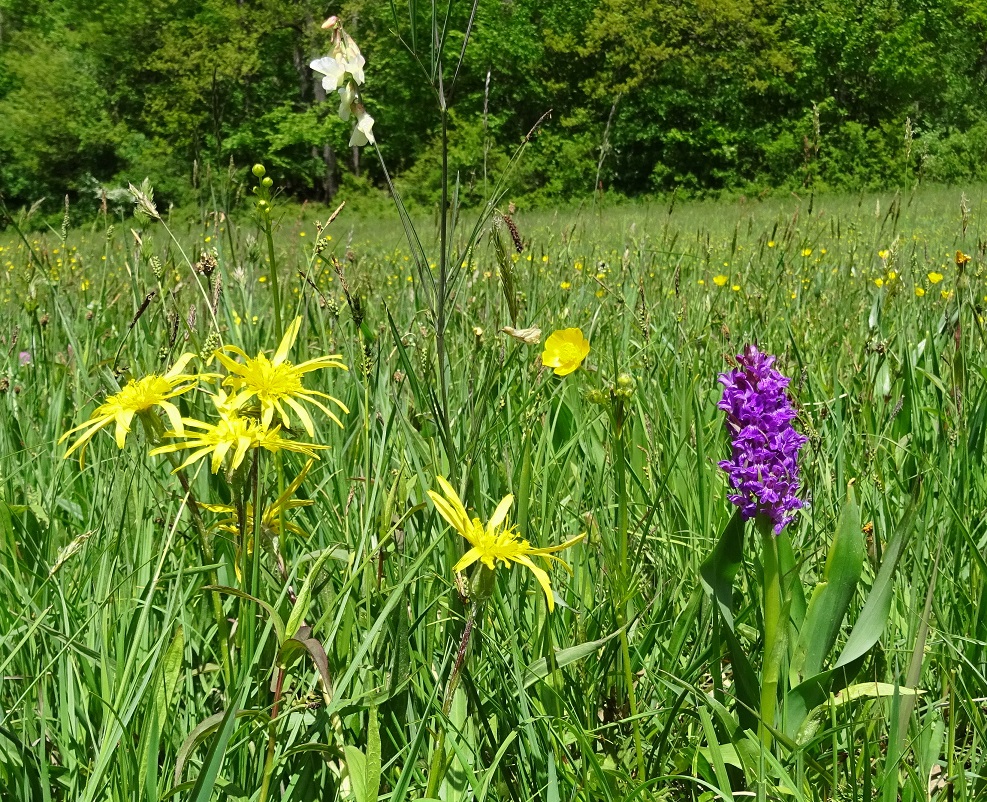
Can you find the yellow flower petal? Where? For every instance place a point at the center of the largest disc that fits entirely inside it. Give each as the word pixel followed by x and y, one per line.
pixel 467 560
pixel 500 514
pixel 541 576
pixel 287 341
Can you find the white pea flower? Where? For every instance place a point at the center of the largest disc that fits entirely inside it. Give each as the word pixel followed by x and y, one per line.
pixel 363 132
pixel 343 72
pixel 332 70
pixel 347 97
pixel 353 59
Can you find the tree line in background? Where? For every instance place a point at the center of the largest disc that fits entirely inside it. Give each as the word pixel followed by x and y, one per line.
pixel 696 95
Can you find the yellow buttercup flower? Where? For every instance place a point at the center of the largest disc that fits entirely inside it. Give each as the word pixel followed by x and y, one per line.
pixel 961 258
pixel 565 351
pixel 495 541
pixel 935 278
pixel 721 280
pixel 139 395
pixel 233 435
pixel 919 292
pixel 276 382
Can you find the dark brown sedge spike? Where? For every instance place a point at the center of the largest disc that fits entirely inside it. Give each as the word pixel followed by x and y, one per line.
pixel 143 307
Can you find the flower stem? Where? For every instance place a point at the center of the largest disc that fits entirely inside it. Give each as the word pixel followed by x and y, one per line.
pixel 620 474
pixel 153 429
pixel 271 740
pixel 438 765
pixel 775 631
pixel 269 233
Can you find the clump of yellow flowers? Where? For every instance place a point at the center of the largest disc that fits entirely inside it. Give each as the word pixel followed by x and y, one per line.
pixel 272 384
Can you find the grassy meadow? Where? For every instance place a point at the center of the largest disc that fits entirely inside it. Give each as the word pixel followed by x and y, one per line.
pixel 153 649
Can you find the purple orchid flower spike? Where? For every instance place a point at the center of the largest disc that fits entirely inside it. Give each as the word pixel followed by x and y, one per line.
pixel 763 468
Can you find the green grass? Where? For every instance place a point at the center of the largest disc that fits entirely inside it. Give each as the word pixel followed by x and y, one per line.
pixel 113 685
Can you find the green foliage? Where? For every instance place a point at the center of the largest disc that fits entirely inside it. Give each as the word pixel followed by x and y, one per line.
pixel 645 97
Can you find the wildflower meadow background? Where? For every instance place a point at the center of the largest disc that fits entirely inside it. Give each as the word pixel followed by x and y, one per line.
pixel 678 499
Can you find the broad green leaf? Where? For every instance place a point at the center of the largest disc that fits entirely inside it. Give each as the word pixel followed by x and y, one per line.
pixel 714 754
pixel 862 690
pixel 373 755
pixel 832 596
pixel 812 692
pixel 165 682
pixel 721 567
pixel 356 769
pixel 874 615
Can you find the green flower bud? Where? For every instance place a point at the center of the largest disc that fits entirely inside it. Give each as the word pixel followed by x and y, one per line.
pixel 267 182
pixel 258 170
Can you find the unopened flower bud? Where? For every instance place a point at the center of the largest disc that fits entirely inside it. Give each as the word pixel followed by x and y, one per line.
pixel 625 385
pixel 267 182
pixel 258 170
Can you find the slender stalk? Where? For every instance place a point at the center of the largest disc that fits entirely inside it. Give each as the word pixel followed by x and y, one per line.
pixel 774 632
pixel 154 429
pixel 620 475
pixel 275 292
pixel 271 739
pixel 440 299
pixel 438 765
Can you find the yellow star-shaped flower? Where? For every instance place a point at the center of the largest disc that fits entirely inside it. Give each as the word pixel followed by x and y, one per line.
pixel 276 382
pixel 495 541
pixel 139 395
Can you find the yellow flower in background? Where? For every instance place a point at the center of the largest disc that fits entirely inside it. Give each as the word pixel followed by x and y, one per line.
pixel 720 281
pixel 807 251
pixel 879 282
pixel 935 278
pixel 232 436
pixel 565 351
pixel 565 285
pixel 276 382
pixel 919 292
pixel 961 258
pixel 771 243
pixel 139 395
pixel 495 541
pixel 883 254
